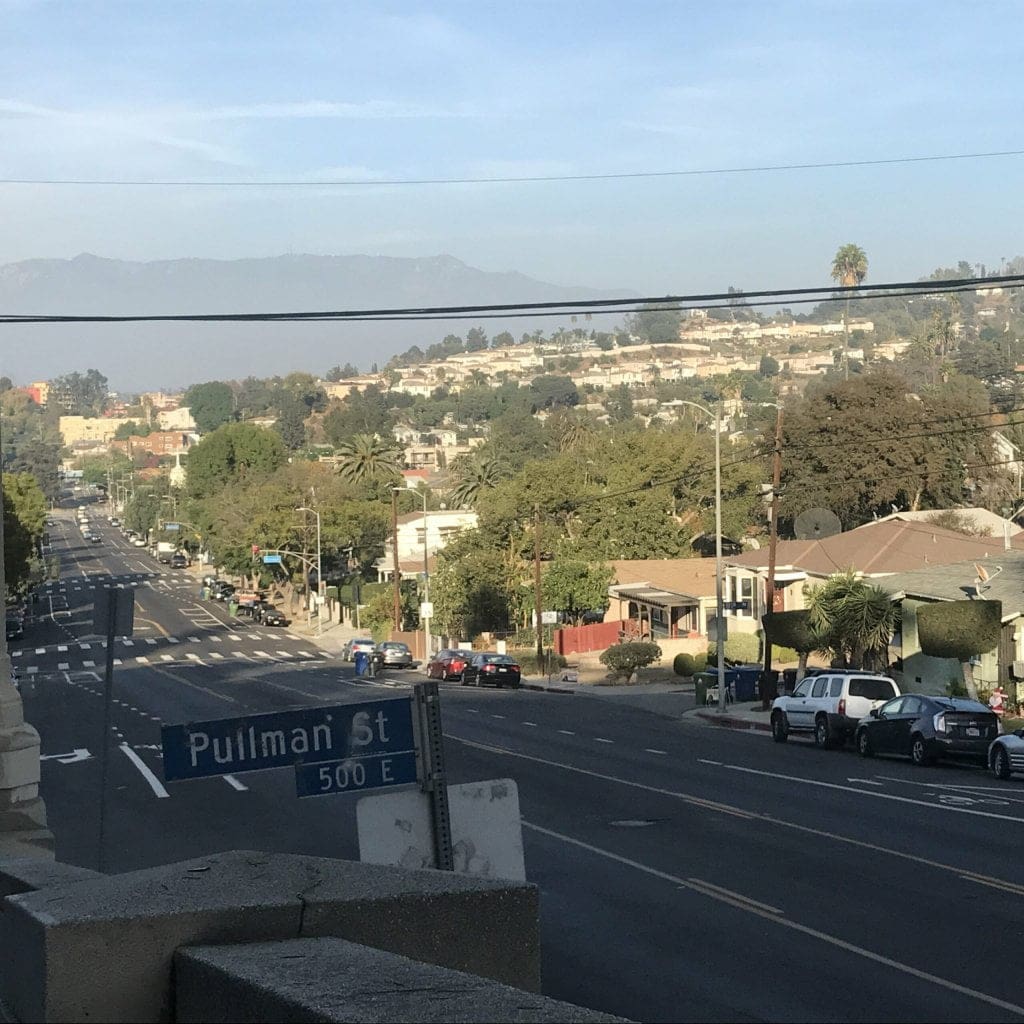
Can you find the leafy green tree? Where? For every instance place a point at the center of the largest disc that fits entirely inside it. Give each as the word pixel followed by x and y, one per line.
pixel 131 429
pixel 575 587
pixel 624 660
pixel 503 340
pixel 962 630
pixel 655 323
pixel 471 590
pixel 24 524
pixel 212 404
pixel 346 372
pixel 476 339
pixel 232 451
pixel 5 384
pixel 84 394
pixel 551 390
pixel 362 412
pixel 291 422
pixel 368 457
pixel 768 366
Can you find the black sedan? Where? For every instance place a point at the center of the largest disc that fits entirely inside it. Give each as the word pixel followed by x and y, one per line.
pixel 926 728
pixel 265 613
pixel 489 667
pixel 15 628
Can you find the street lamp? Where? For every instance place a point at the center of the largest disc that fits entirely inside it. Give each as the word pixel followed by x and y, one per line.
pixel 319 571
pixel 716 415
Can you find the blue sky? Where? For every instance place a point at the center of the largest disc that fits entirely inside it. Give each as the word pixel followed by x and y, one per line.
pixel 307 90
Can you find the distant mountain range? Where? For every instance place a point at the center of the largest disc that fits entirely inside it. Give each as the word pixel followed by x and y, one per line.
pixel 143 356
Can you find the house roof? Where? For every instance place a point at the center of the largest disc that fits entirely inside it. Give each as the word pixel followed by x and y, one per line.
pixel 879 548
pixel 979 518
pixel 681 577
pixel 955 582
pixel 435 513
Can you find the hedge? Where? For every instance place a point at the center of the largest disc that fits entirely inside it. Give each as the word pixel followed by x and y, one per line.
pixel 790 629
pixel 959 629
pixel 689 664
pixel 624 659
pixel 740 647
pixel 528 664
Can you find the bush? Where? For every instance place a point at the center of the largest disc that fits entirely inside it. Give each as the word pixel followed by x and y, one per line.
pixel 529 666
pixel 784 655
pixel 684 665
pixel 624 659
pixel 700 662
pixel 959 629
pixel 956 688
pixel 742 647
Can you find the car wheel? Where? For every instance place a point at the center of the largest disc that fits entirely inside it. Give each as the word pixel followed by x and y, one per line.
pixel 823 734
pixel 864 747
pixel 919 752
pixel 1001 763
pixel 780 727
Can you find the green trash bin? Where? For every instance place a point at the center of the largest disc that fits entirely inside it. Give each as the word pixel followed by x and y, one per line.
pixel 701 691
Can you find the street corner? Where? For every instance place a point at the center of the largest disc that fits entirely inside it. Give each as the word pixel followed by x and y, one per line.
pixel 738 718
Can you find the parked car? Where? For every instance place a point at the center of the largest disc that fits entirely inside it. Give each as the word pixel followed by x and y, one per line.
pixel 829 705
pixel 15 628
pixel 267 614
pixel 926 728
pixel 139 542
pixel 491 667
pixel 178 561
pixel 448 664
pixel 95 538
pixel 1006 754
pixel 394 654
pixel 348 652
pixel 220 590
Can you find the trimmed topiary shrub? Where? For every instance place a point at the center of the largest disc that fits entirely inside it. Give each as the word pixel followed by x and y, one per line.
pixel 700 662
pixel 791 629
pixel 624 659
pixel 960 630
pixel 684 664
pixel 742 647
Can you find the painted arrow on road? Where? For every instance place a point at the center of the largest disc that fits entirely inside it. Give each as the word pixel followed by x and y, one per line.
pixel 78 754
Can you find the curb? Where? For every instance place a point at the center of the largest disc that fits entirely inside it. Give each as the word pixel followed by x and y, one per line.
pixel 728 722
pixel 545 689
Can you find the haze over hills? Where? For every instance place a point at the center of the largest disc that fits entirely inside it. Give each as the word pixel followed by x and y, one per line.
pixel 137 356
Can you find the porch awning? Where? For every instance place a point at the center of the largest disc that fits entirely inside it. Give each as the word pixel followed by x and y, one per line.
pixel 658 598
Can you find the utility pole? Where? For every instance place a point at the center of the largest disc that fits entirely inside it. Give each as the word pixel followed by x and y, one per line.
pixel 537 599
pixel 773 541
pixel 394 557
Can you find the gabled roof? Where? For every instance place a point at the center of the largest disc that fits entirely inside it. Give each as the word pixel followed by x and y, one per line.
pixel 955 582
pixel 684 577
pixel 878 549
pixel 980 518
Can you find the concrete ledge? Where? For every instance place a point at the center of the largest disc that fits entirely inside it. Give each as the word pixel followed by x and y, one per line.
pixel 102 948
pixel 27 874
pixel 333 980
pixel 545 689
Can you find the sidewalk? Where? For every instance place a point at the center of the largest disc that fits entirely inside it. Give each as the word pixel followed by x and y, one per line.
pixel 743 715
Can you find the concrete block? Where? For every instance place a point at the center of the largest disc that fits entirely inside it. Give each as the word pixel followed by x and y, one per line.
pixel 102 948
pixel 305 980
pixel 27 874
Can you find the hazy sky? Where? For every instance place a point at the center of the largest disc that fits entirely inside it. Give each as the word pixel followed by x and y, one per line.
pixel 307 90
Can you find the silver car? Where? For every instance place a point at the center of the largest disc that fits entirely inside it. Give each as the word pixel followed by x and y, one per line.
pixel 395 654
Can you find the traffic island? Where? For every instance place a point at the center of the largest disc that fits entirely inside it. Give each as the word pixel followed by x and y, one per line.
pixel 101 948
pixel 334 980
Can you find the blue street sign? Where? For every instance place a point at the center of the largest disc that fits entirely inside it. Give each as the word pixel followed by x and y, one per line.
pixel 271 559
pixel 304 735
pixel 172 526
pixel 736 606
pixel 357 773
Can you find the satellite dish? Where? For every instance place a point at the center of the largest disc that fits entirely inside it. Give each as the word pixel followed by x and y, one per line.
pixel 816 523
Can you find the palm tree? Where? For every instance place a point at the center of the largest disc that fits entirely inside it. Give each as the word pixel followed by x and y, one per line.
pixel 575 434
pixel 849 268
pixel 366 457
pixel 853 620
pixel 475 475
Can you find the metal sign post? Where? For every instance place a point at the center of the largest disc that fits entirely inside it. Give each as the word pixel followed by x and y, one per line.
pixel 434 781
pixel 113 615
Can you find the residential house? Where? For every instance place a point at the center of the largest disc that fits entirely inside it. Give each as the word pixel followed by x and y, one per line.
pixel 981 520
pixel 665 597
pixel 97 430
pixel 959 581
pixel 176 419
pixel 873 551
pixel 422 537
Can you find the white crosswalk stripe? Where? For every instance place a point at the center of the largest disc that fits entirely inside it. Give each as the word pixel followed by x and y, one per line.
pixel 117 661
pixel 217 639
pixel 166 657
pixel 234 636
pixel 142 659
pixel 62 647
pixel 217 655
pixel 32 669
pixel 241 654
pixel 284 654
pixel 262 654
pixel 173 640
pixel 151 641
pixel 84 647
pixel 89 664
pixel 16 654
pixel 63 666
pixel 128 643
pixel 194 640
pixel 40 650
pixel 306 654
pixel 192 657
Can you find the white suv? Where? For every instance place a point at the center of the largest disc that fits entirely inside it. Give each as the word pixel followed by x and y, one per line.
pixel 830 705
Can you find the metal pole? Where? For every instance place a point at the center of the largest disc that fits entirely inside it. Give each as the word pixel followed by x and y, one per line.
pixel 426 581
pixel 319 582
pixel 537 598
pixel 108 703
pixel 435 777
pixel 773 540
pixel 719 608
pixel 397 610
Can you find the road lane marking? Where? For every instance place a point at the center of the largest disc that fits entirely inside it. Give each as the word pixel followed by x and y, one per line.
pixel 766 819
pixel 262 654
pixel 497 716
pixel 61 648
pixel 154 783
pixel 173 640
pixel 167 657
pixel 194 640
pixel 705 889
pixel 88 664
pixel 151 640
pixel 84 647
pixel 128 643
pixel 40 650
pixel 32 670
pixel 567 732
pixel 599 739
pixel 217 655
pixel 868 792
pixel 235 784
pixel 731 895
pixel 117 661
pixel 284 654
pixel 704 760
pixel 234 636
pixel 142 659
pixel 533 724
pixel 473 711
pixel 63 666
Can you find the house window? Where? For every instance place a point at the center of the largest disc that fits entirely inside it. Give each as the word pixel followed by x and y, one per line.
pixel 747 594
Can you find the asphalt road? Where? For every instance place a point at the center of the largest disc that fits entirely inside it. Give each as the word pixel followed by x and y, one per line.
pixel 687 872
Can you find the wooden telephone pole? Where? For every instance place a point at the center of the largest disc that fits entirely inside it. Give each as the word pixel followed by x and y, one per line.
pixel 537 599
pixel 773 540
pixel 397 611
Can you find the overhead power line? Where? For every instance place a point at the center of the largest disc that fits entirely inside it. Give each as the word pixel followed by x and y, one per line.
pixel 508 179
pixel 774 296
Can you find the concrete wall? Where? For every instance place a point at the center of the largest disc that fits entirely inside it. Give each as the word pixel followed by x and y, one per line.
pixel 94 947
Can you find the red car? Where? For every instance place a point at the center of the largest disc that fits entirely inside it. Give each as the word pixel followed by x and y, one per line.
pixel 448 664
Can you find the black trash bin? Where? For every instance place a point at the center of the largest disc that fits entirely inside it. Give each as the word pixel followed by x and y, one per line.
pixel 742 680
pixel 789 679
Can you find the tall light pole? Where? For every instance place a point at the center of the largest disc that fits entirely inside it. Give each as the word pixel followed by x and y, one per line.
pixel 396 569
pixel 319 570
pixel 716 415
pixel 426 582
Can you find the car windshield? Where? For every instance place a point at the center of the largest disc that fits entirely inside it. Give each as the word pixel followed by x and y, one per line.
pixel 499 659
